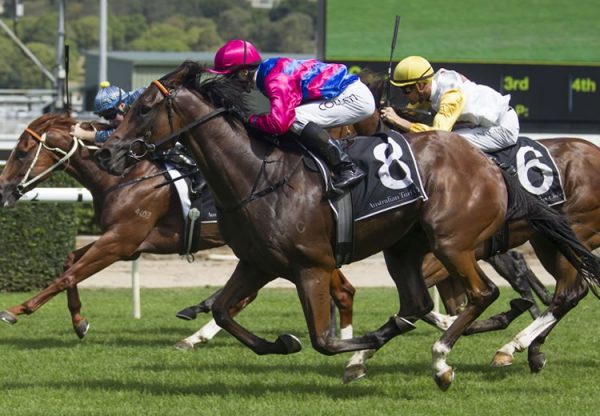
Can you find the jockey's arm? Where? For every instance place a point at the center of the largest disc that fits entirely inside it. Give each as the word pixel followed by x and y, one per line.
pixel 452 103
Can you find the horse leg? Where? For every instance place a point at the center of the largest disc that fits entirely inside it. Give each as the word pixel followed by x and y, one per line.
pixel 191 312
pixel 109 248
pixel 210 329
pixel 481 292
pixel 245 280
pixel 342 292
pixel 31 305
pixel 513 268
pixel 312 285
pixel 405 267
pixel 570 289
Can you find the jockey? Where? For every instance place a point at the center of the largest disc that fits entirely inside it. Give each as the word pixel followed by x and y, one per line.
pixel 306 96
pixel 110 103
pixel 477 112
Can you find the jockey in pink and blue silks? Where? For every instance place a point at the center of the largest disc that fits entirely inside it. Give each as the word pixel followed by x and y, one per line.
pixel 306 96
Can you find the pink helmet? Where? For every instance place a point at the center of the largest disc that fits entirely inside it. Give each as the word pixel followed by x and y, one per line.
pixel 233 55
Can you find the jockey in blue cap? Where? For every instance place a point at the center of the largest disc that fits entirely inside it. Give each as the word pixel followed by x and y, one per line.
pixel 110 103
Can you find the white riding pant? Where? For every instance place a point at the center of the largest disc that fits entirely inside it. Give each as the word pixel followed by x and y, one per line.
pixel 354 104
pixel 490 139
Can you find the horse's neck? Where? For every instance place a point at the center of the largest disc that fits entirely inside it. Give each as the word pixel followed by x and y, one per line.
pixel 83 168
pixel 230 160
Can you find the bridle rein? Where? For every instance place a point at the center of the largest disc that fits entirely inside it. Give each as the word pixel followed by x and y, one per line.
pixel 26 182
pixel 146 147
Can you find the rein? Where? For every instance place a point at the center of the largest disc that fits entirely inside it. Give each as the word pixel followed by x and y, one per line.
pixel 42 144
pixel 151 147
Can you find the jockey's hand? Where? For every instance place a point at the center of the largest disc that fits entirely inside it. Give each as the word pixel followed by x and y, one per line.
pixel 389 116
pixel 78 131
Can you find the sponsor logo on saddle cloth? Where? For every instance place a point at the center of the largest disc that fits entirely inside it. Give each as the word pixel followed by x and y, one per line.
pixel 535 168
pixel 392 178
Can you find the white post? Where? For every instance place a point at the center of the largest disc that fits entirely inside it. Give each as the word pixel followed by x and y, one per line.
pixel 135 289
pixel 102 71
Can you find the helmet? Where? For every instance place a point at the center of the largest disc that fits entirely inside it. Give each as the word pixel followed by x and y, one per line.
pixel 411 70
pixel 108 98
pixel 233 55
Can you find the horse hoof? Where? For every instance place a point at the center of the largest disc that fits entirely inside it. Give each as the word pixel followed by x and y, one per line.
pixel 354 372
pixel 536 362
pixel 501 359
pixel 444 380
pixel 8 317
pixel 288 343
pixel 188 314
pixel 82 328
pixel 184 345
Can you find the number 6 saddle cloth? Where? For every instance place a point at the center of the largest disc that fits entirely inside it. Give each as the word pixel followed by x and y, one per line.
pixel 393 179
pixel 535 169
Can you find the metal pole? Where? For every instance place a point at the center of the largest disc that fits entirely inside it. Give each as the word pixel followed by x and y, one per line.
pixel 102 75
pixel 27 52
pixel 135 289
pixel 60 58
pixel 321 29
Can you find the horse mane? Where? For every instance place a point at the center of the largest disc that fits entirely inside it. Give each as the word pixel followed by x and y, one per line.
pixel 221 91
pixel 45 121
pixel 375 82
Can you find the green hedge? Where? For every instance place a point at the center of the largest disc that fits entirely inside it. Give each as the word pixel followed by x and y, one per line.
pixel 35 239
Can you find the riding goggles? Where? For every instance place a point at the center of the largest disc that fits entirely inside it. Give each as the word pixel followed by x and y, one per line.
pixel 111 113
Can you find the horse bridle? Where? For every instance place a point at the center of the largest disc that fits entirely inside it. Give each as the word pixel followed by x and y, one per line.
pixel 151 147
pixel 42 144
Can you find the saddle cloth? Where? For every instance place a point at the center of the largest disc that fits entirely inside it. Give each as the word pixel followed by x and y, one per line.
pixel 535 169
pixel 206 201
pixel 392 178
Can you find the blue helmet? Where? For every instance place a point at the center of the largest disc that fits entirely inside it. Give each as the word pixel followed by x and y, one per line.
pixel 108 98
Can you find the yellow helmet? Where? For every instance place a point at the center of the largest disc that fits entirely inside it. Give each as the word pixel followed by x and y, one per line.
pixel 411 70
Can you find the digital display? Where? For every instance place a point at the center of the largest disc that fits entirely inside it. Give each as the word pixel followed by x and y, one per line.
pixel 539 93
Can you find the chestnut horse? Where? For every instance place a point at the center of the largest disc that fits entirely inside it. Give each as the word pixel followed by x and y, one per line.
pixel 273 214
pixel 125 235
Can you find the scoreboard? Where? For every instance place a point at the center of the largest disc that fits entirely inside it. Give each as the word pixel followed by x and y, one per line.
pixel 540 94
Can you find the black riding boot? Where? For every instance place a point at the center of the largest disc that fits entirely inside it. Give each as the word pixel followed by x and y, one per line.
pixel 345 171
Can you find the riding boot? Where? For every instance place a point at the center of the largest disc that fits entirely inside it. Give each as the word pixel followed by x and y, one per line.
pixel 345 171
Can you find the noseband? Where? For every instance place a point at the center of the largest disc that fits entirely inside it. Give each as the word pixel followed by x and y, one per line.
pixel 139 147
pixel 25 182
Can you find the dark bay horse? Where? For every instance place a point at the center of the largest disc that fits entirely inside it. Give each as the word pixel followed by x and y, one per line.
pixel 125 235
pixel 273 214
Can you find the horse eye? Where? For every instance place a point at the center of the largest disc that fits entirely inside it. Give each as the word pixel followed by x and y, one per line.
pixel 20 154
pixel 145 109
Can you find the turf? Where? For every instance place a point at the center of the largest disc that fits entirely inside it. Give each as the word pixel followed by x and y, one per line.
pixel 534 31
pixel 126 366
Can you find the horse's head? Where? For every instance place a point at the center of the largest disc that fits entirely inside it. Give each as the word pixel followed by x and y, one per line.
pixel 44 146
pixel 170 107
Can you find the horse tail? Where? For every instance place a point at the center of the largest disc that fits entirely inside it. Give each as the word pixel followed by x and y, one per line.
pixel 555 226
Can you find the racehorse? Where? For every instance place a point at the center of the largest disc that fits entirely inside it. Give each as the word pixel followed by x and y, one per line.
pixel 125 234
pixel 578 162
pixel 273 214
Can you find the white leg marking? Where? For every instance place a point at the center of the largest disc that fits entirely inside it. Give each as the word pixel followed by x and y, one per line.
pixel 442 321
pixel 204 334
pixel 524 338
pixel 346 333
pixel 439 352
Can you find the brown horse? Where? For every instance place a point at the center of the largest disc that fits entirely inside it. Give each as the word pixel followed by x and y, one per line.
pixel 579 164
pixel 125 235
pixel 273 214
